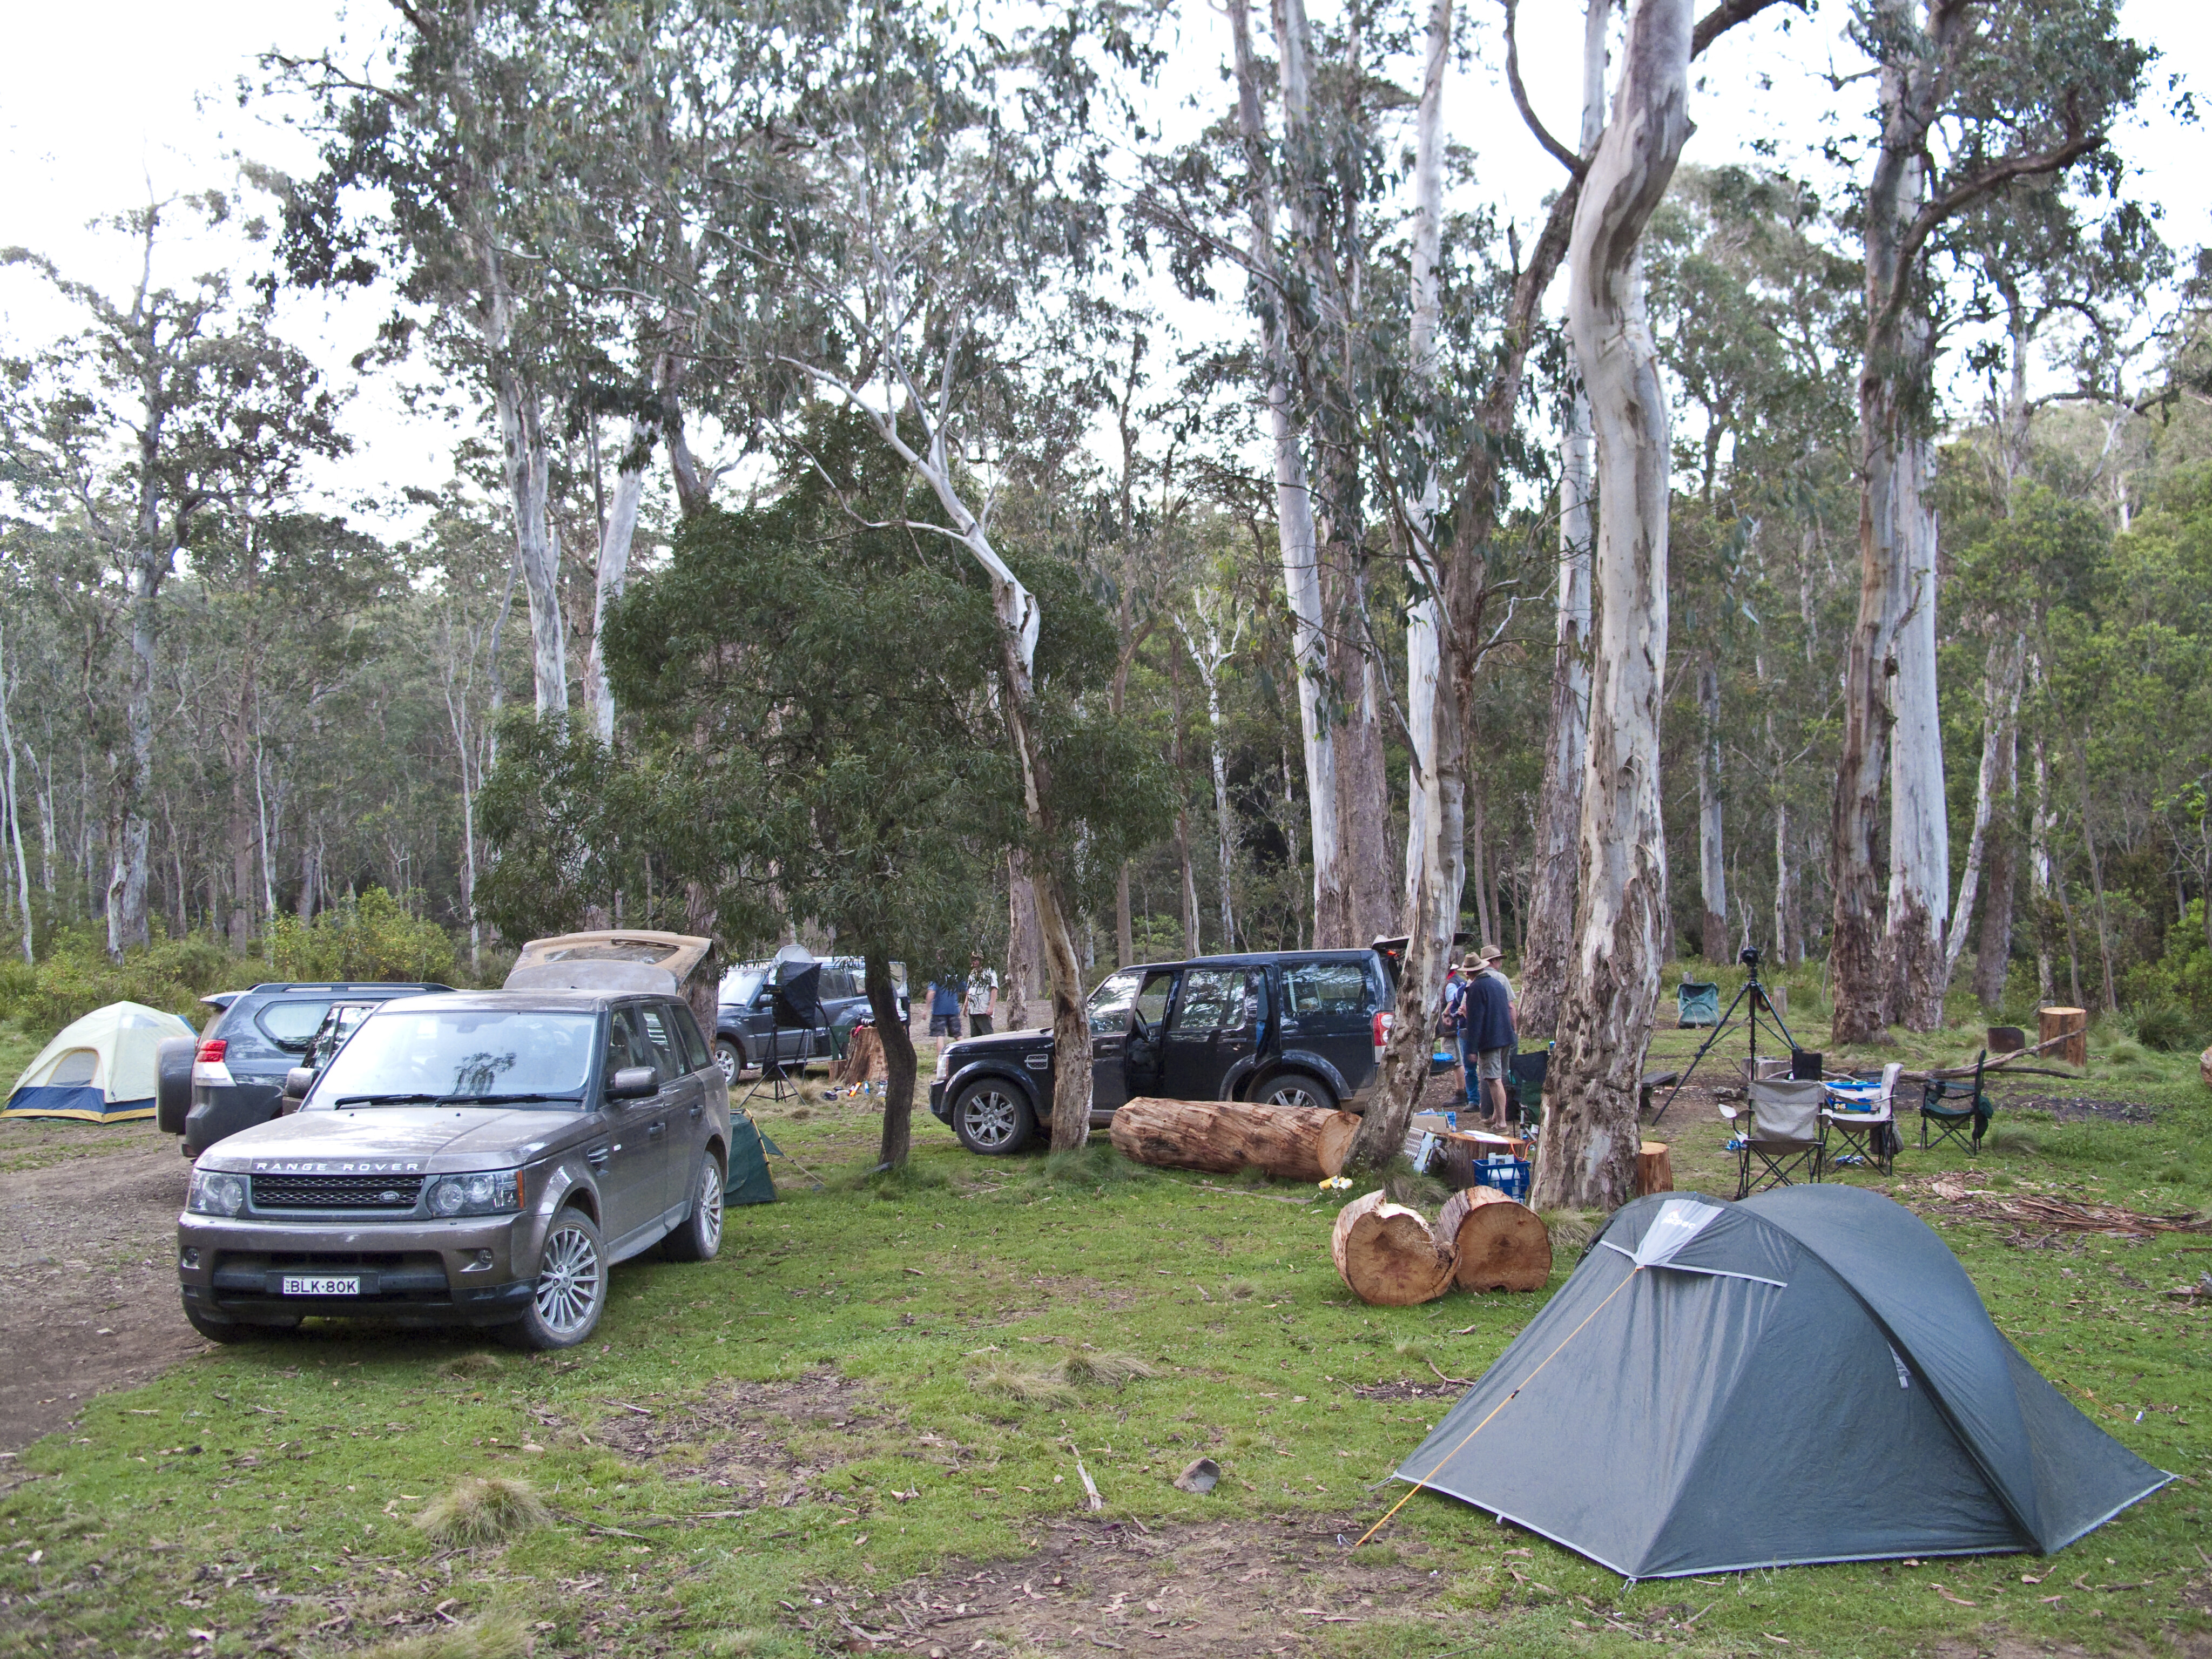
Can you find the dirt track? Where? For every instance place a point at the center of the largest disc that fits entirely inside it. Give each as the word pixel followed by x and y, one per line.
pixel 88 1288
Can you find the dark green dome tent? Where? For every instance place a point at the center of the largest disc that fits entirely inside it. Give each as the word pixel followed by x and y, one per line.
pixel 1807 1375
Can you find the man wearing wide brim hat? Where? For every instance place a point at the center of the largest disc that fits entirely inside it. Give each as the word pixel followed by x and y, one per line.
pixel 1487 1035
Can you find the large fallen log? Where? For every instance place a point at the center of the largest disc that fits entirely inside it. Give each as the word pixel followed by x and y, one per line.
pixel 1295 1143
pixel 1496 1243
pixel 1387 1256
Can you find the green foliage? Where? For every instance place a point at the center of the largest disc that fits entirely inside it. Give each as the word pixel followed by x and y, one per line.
pixel 370 938
pixel 2173 995
pixel 76 977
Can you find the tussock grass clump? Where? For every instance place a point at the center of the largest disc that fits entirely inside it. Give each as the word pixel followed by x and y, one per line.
pixel 1413 1352
pixel 1095 1165
pixel 905 1180
pixel 1418 1192
pixel 1241 1289
pixel 1374 1555
pixel 484 1510
pixel 1091 1368
pixel 1571 1231
pixel 1023 1386
pixel 477 1364
pixel 494 1635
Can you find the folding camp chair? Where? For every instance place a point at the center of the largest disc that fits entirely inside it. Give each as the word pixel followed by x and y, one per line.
pixel 1784 1140
pixel 1864 1118
pixel 1956 1107
pixel 1697 1002
pixel 1524 1086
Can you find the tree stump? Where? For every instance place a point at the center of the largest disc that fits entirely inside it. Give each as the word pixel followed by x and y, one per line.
pixel 2204 1067
pixel 864 1060
pixel 1496 1243
pixel 2073 1024
pixel 1387 1254
pixel 1655 1167
pixel 1294 1143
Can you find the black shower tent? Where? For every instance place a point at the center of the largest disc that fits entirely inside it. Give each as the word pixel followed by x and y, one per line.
pixel 1807 1375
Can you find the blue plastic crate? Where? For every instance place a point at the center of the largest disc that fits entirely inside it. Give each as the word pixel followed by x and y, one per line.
pixel 1509 1175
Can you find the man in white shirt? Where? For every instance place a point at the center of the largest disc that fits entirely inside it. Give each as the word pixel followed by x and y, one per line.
pixel 982 996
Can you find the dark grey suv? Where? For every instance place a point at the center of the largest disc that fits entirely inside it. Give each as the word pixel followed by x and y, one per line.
pixel 478 1157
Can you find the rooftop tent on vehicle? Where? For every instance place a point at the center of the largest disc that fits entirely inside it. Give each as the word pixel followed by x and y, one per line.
pixel 1807 1376
pixel 100 1068
pixel 619 959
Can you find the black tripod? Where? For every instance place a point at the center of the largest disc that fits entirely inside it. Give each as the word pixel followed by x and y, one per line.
pixel 794 1004
pixel 1757 993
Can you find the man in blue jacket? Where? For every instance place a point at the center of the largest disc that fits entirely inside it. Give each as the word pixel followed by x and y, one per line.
pixel 1486 1035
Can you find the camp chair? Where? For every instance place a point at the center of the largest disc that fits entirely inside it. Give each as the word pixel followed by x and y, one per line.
pixel 1864 1118
pixel 1953 1106
pixel 1524 1084
pixel 1697 1002
pixel 1785 1137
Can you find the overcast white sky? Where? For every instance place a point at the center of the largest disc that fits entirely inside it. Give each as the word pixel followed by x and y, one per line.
pixel 102 106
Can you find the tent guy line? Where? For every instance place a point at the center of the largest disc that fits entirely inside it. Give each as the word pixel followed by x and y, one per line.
pixel 1502 1404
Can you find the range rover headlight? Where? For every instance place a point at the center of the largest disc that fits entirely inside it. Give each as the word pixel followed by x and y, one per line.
pixel 944 1065
pixel 492 1193
pixel 216 1194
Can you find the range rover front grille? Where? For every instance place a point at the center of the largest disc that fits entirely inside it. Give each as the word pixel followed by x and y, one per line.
pixel 347 1192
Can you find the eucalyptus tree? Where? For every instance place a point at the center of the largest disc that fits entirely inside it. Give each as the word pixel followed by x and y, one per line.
pixel 435 178
pixel 1559 804
pixel 1484 418
pixel 166 404
pixel 1971 100
pixel 911 241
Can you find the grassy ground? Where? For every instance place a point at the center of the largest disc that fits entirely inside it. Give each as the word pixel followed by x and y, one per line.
pixel 848 1372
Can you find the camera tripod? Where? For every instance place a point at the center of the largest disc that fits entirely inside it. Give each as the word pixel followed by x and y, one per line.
pixel 1757 993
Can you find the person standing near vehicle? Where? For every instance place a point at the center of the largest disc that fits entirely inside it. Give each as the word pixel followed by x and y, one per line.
pixel 944 1008
pixel 982 994
pixel 1486 1034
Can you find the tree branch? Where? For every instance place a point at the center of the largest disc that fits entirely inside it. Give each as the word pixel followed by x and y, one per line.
pixel 1726 15
pixel 1557 151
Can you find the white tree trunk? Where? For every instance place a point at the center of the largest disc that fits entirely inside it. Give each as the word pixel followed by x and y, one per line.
pixel 1551 918
pixel 2039 871
pixel 15 815
pixel 526 462
pixel 2000 678
pixel 1588 1151
pixel 1712 860
pixel 1420 509
pixel 615 538
pixel 1208 652
pixel 1294 517
pixel 1915 968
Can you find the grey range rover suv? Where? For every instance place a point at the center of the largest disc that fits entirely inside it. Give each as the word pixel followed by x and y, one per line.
pixel 476 1158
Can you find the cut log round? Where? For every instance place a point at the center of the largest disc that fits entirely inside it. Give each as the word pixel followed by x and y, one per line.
pixel 863 1059
pixel 1655 1167
pixel 1387 1254
pixel 1496 1243
pixel 1294 1143
pixel 2204 1067
pixel 2073 1024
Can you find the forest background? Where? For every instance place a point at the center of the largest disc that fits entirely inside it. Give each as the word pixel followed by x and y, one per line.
pixel 262 700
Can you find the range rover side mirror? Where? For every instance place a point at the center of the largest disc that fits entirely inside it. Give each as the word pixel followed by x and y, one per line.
pixel 632 1083
pixel 297 1082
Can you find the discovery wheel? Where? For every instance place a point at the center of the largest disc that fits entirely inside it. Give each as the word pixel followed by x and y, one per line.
pixel 991 1118
pixel 570 1290
pixel 1301 1089
pixel 729 1058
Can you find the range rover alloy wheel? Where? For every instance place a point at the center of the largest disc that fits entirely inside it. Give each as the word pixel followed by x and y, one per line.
pixel 699 1235
pixel 729 1058
pixel 991 1117
pixel 570 1291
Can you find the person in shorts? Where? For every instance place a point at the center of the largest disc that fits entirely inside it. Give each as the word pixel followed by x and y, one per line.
pixel 1487 1035
pixel 944 1009
pixel 982 994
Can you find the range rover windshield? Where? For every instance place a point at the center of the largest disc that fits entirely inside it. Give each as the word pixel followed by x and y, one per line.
pixel 461 1056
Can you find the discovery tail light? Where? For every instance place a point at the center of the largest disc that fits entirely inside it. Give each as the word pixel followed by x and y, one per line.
pixel 212 1051
pixel 1383 1021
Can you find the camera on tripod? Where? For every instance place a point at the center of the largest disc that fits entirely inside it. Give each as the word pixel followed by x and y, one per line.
pixel 1749 958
